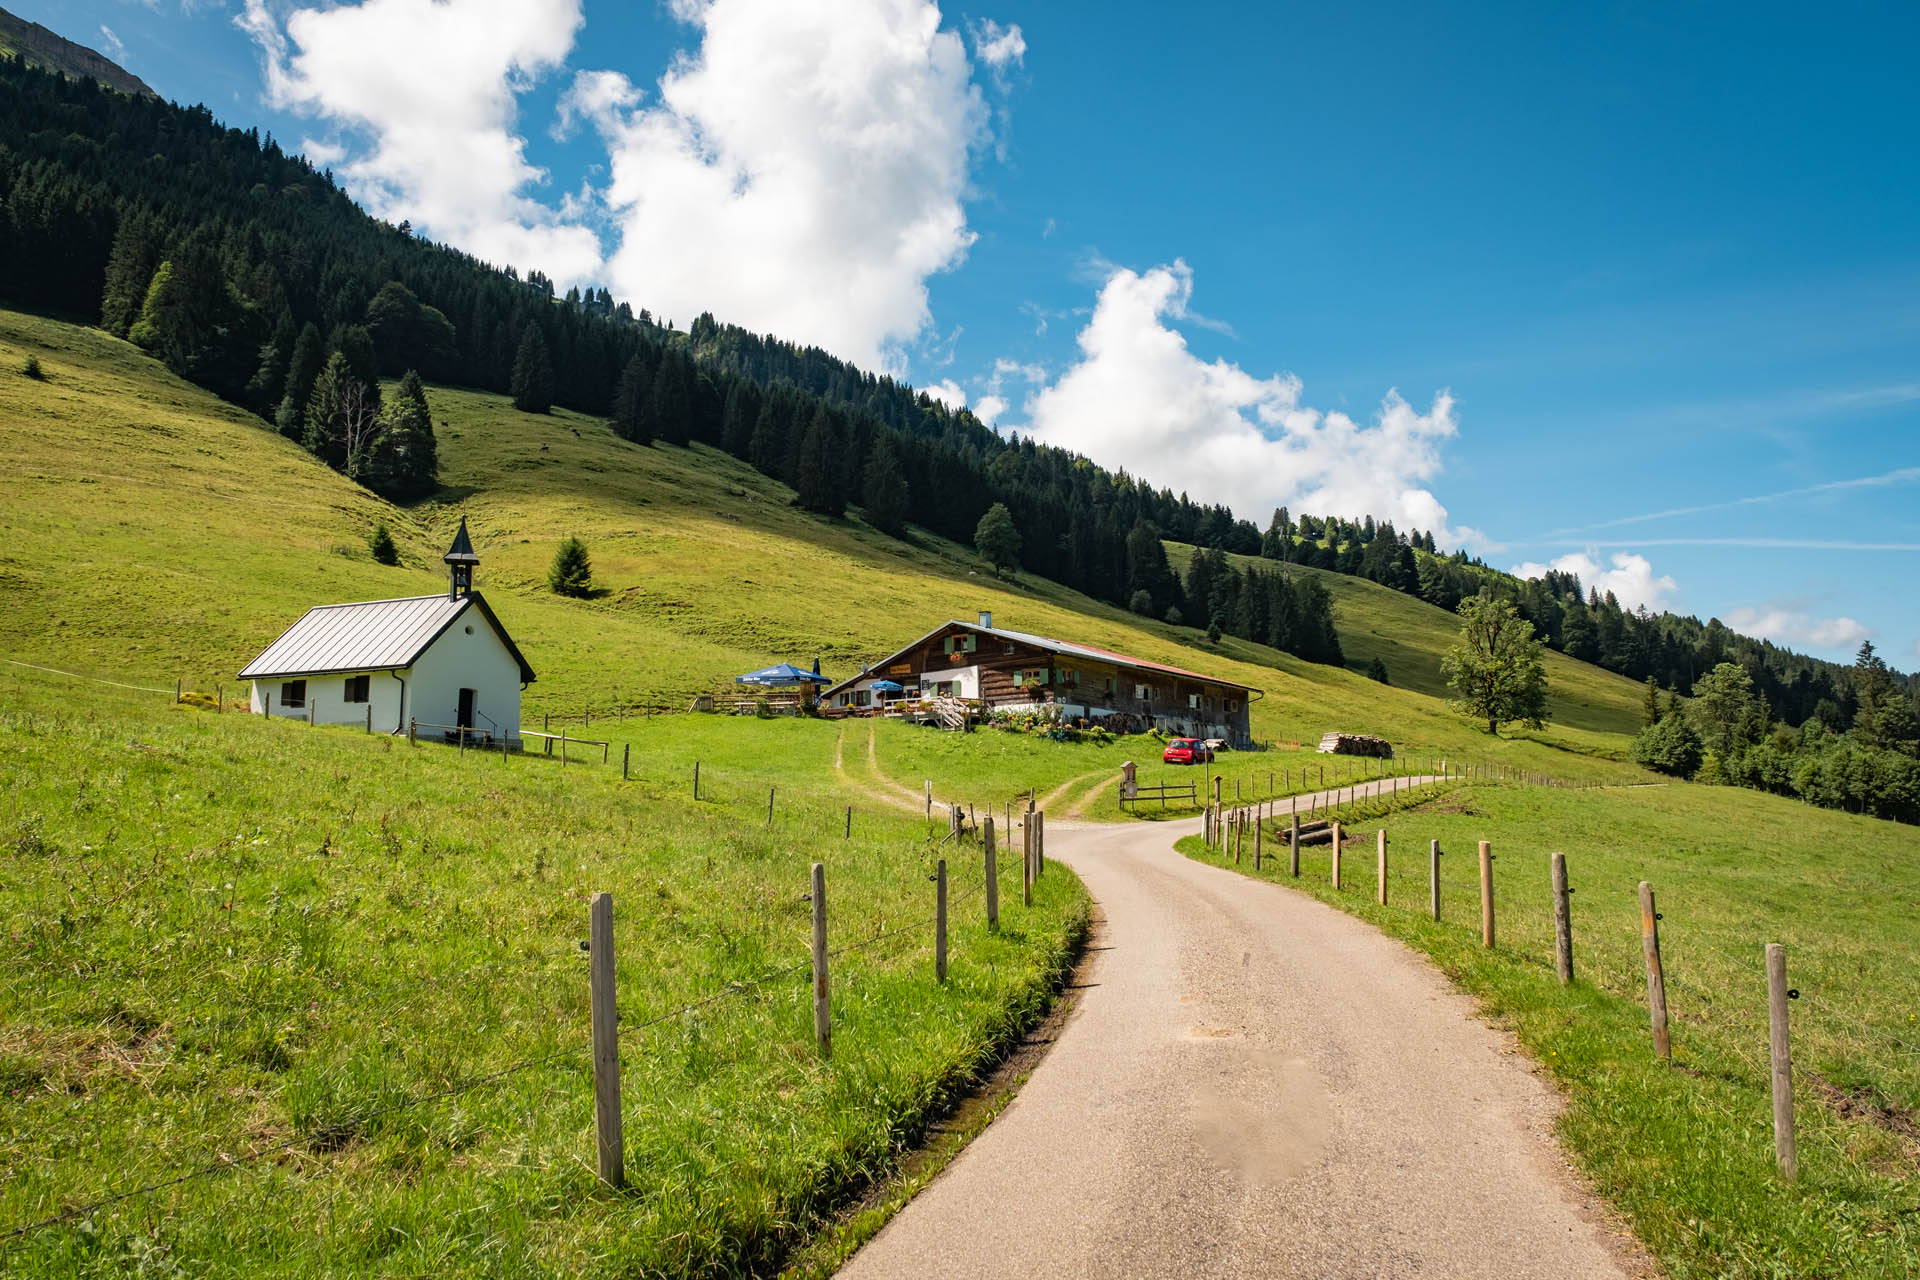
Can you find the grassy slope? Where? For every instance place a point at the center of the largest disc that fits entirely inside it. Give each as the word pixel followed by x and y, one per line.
pixel 1410 636
pixel 221 936
pixel 156 533
pixel 1688 1152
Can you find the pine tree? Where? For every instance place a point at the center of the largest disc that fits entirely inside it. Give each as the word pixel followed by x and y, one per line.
pixel 571 574
pixel 138 247
pixel 1377 670
pixel 816 487
pixel 669 406
pixel 884 491
pixel 303 368
pixel 1650 705
pixel 532 384
pixel 630 419
pixel 407 459
pixel 380 545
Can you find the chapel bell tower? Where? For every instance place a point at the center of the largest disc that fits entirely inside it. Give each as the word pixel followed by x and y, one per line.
pixel 460 564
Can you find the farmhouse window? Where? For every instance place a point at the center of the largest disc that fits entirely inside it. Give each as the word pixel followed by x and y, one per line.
pixel 1140 692
pixel 1193 701
pixel 862 698
pixel 944 689
pixel 1106 684
pixel 960 644
pixel 1069 676
pixel 293 693
pixel 1029 675
pixel 357 688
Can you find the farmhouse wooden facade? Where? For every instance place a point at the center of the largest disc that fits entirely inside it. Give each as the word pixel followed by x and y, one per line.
pixel 1014 671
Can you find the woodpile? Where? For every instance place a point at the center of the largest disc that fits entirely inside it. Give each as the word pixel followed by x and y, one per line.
pixel 1355 744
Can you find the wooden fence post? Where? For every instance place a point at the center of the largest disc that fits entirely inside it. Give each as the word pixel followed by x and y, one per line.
pixel 412 727
pixel 993 879
pixel 1782 1065
pixel 696 779
pixel 822 1014
pixel 940 921
pixel 563 746
pixel 929 797
pixel 369 717
pixel 1433 875
pixel 626 759
pixel 1486 894
pixel 313 710
pixel 1293 840
pixel 849 834
pixel 1239 833
pixel 1039 843
pixel 1656 975
pixel 606 1044
pixel 1026 862
pixel 770 806
pixel 1258 827
pixel 1336 855
pixel 1383 866
pixel 1562 921
pixel 178 686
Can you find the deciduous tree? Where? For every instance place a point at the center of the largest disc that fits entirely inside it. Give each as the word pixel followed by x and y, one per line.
pixel 1497 669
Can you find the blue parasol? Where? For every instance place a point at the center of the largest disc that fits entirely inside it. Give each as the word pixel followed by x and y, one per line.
pixel 784 674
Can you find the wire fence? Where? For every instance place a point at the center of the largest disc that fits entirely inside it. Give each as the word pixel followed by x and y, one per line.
pixel 883 937
pixel 1717 995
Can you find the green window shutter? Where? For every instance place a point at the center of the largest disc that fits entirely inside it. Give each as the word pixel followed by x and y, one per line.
pixel 973 643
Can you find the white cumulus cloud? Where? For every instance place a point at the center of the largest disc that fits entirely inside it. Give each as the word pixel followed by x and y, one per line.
pixel 1629 577
pixel 1139 398
pixel 801 173
pixel 1786 622
pixel 999 46
pixel 428 90
pixel 947 392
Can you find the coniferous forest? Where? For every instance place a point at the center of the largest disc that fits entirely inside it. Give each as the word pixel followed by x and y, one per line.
pixel 251 273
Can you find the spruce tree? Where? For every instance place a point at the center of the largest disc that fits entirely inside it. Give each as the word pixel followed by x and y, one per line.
pixel 630 420
pixel 1650 704
pixel 669 406
pixel 407 457
pixel 380 545
pixel 138 246
pixel 532 383
pixel 571 574
pixel 309 356
pixel 883 492
pixel 816 487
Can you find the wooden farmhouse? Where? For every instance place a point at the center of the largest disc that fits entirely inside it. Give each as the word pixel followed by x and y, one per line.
pixel 1014 671
pixel 442 661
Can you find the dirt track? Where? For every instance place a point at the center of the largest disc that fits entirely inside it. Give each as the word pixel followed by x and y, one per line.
pixel 1255 1084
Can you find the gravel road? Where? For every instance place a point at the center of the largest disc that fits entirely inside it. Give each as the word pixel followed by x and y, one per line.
pixel 1255 1084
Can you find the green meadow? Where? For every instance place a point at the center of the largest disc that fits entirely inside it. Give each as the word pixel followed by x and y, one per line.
pixel 337 983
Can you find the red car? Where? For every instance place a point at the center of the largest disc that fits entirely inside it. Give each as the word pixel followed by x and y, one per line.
pixel 1187 751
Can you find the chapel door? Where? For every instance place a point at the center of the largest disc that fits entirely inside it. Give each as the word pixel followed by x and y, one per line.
pixel 464 719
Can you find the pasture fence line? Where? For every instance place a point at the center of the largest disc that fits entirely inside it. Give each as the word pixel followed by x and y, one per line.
pixel 1727 1023
pixel 606 1028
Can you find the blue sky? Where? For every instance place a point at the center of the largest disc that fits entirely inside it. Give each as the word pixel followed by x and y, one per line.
pixel 1630 288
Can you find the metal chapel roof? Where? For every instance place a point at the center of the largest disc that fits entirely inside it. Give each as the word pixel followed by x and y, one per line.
pixel 375 635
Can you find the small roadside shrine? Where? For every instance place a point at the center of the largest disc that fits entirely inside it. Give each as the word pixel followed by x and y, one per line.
pixel 443 661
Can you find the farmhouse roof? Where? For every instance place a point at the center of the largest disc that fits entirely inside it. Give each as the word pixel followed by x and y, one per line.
pixel 1091 652
pixel 375 635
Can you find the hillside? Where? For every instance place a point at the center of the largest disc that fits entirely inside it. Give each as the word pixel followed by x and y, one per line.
pixel 1410 636
pixel 158 533
pixel 37 46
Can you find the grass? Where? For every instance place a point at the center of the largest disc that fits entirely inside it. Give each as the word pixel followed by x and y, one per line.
pixel 153 533
pixel 225 936
pixel 1687 1150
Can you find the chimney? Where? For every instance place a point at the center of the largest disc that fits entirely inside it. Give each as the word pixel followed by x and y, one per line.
pixel 986 618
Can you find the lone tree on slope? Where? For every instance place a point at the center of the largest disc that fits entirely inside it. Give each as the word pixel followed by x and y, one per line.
pixel 996 538
pixel 1497 669
pixel 571 574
